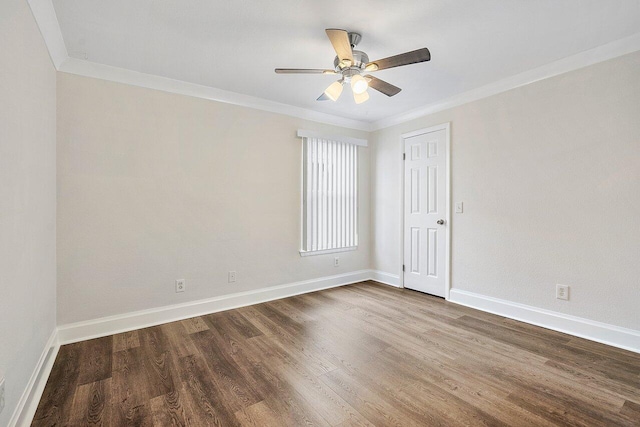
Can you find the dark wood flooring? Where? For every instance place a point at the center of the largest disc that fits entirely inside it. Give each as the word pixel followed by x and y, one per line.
pixel 364 354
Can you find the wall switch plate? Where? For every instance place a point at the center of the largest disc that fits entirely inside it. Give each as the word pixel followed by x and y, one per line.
pixel 459 207
pixel 232 276
pixel 562 292
pixel 180 285
pixel 336 262
pixel 1 395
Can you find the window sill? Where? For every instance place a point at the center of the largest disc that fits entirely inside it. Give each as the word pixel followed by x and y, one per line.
pixel 328 251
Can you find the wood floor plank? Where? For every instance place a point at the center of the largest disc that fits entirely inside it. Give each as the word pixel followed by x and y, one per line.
pixel 376 404
pixel 90 405
pixel 359 355
pixel 281 350
pixel 55 404
pixel 289 325
pixel 456 382
pixel 237 390
pixel 594 380
pixel 135 416
pixel 126 359
pixel 204 401
pixel 168 410
pixel 540 380
pixel 617 370
pixel 125 341
pixel 176 334
pixel 131 390
pixel 452 409
pixel 95 360
pixel 261 322
pixel 259 415
pixel 324 400
pixel 226 328
pixel 157 361
pixel 562 412
pixel 282 398
pixel 242 325
pixel 631 411
pixel 195 324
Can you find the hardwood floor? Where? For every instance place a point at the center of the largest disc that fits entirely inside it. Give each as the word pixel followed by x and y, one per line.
pixel 364 354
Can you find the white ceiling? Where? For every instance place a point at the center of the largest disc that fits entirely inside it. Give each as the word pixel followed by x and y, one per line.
pixel 235 45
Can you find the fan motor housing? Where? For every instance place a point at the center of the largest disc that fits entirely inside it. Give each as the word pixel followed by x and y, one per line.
pixel 360 60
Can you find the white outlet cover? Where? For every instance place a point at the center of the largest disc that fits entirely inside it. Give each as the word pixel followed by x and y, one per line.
pixel 459 207
pixel 562 292
pixel 232 276
pixel 180 285
pixel 336 262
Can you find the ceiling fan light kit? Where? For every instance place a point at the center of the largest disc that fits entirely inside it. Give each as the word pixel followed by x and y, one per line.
pixel 351 63
pixel 360 97
pixel 358 84
pixel 334 90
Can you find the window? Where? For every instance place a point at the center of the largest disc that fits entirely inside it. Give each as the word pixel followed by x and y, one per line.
pixel 329 194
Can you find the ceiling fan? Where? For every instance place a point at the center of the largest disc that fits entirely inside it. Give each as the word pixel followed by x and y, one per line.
pixel 351 64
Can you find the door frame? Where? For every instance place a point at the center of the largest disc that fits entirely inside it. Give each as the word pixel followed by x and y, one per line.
pixel 447 270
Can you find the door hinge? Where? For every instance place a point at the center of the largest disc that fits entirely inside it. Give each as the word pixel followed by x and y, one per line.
pixel 402 267
pixel 404 156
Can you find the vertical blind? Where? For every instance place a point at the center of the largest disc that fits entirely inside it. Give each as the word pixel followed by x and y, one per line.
pixel 330 195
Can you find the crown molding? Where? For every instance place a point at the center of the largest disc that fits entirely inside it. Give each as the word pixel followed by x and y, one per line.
pixel 580 60
pixel 47 21
pixel 135 78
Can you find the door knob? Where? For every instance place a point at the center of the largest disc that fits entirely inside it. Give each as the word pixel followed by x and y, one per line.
pixel 440 222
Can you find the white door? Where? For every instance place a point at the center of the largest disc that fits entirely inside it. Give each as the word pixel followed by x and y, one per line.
pixel 425 212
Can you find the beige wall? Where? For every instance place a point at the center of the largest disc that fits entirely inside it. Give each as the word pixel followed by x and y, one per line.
pixel 27 199
pixel 154 187
pixel 549 174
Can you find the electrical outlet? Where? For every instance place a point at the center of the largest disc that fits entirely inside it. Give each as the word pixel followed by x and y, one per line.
pixel 232 276
pixel 180 285
pixel 459 207
pixel 336 262
pixel 1 395
pixel 562 292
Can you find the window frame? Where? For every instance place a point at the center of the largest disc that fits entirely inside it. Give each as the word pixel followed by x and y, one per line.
pixel 304 243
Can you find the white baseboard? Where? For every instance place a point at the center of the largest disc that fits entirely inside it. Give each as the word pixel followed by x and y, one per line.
pixel 386 278
pixel 105 326
pixel 616 336
pixel 28 403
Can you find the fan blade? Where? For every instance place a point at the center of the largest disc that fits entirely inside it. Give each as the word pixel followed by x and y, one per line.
pixel 303 71
pixel 382 86
pixel 340 41
pixel 413 57
pixel 323 97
